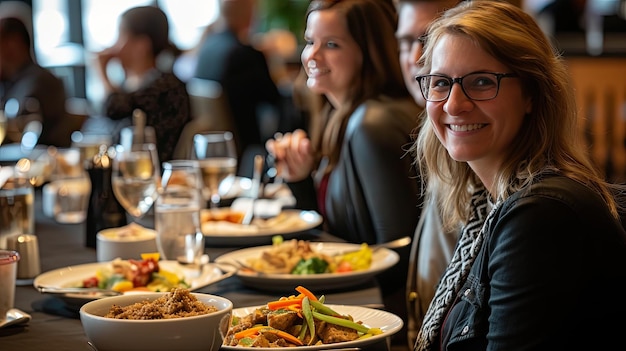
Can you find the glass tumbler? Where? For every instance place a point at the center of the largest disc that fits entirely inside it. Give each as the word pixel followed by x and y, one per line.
pixel 177 213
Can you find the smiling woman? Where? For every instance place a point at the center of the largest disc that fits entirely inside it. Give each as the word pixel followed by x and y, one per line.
pixel 501 151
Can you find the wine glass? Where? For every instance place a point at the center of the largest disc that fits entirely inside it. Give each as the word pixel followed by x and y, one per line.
pixel 217 156
pixel 136 178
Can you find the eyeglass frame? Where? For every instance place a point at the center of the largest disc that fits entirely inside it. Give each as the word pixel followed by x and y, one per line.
pixel 411 40
pixel 459 80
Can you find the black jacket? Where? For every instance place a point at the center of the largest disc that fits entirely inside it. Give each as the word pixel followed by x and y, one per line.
pixel 551 275
pixel 373 194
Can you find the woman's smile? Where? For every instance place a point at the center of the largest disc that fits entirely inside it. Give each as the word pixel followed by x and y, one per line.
pixel 466 127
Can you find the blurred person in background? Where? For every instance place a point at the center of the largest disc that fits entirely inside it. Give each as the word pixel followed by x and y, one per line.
pixel 227 57
pixel 352 165
pixel 432 245
pixel 35 92
pixel 142 44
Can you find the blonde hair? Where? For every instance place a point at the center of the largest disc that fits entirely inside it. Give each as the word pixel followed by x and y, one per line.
pixel 548 139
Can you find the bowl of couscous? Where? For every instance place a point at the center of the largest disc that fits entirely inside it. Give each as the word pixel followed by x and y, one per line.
pixel 178 320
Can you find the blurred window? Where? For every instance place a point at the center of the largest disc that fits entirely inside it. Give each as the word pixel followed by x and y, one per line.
pixel 98 30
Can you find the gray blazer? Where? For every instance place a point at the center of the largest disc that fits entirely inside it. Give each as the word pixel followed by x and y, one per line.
pixel 431 251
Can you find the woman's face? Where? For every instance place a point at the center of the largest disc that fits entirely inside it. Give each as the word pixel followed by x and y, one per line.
pixel 331 57
pixel 477 132
pixel 130 48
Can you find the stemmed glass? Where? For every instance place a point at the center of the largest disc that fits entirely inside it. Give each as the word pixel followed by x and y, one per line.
pixel 136 178
pixel 217 156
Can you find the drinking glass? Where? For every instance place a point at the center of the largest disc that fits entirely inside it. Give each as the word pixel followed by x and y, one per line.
pixel 136 178
pixel 132 135
pixel 177 212
pixel 217 156
pixel 17 210
pixel 3 126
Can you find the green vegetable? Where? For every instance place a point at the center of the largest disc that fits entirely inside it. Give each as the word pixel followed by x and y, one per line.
pixel 247 341
pixel 302 332
pixel 277 240
pixel 346 323
pixel 313 265
pixel 308 317
pixel 320 307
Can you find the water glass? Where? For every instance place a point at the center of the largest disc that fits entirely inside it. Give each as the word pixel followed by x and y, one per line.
pixel 177 213
pixel 17 211
pixel 8 272
pixel 72 198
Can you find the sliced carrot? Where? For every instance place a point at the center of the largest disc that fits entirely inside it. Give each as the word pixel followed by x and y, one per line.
pixel 265 329
pixel 249 332
pixel 278 304
pixel 306 292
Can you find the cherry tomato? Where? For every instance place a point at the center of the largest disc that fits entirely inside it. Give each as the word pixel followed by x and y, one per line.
pixel 141 271
pixel 90 282
pixel 343 267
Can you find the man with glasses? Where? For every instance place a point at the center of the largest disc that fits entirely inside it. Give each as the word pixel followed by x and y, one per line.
pixel 432 246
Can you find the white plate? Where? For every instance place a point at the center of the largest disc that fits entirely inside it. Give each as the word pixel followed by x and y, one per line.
pixel 73 276
pixel 288 224
pixel 382 259
pixel 388 322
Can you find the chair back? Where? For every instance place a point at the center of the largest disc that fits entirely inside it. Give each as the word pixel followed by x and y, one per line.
pixel 209 112
pixel 600 85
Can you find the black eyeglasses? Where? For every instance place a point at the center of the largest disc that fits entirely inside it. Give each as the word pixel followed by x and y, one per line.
pixel 406 43
pixel 478 86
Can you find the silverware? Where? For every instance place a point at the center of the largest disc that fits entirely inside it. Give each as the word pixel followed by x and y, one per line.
pixel 393 244
pixel 256 185
pixel 15 316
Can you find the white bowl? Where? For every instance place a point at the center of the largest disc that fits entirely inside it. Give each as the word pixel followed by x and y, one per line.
pixel 127 242
pixel 204 332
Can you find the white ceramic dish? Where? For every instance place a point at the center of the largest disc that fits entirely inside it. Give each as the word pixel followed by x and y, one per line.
pixel 126 242
pixel 204 332
pixel 382 260
pixel 72 276
pixel 388 322
pixel 288 224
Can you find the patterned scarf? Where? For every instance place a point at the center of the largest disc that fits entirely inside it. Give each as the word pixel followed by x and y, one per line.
pixel 455 275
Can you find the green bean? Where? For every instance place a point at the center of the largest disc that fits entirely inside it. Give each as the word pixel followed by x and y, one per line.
pixel 303 330
pixel 346 323
pixel 320 307
pixel 308 317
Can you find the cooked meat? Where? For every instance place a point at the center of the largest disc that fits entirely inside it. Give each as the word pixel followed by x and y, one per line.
pixel 283 320
pixel 331 333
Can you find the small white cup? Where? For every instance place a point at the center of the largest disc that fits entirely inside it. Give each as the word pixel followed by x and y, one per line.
pixel 29 265
pixel 8 272
pixel 127 242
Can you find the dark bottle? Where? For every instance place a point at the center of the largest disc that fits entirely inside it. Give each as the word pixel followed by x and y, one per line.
pixel 104 210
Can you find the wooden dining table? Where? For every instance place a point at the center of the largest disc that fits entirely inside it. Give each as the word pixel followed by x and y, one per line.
pixel 57 326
